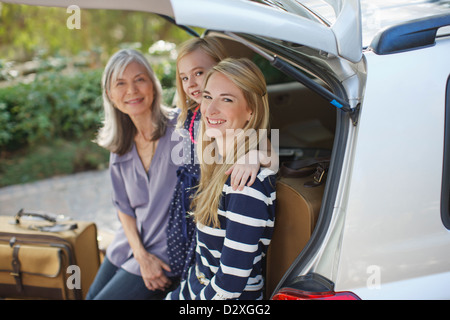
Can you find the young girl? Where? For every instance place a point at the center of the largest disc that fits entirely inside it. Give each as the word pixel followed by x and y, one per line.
pixel 195 58
pixel 234 227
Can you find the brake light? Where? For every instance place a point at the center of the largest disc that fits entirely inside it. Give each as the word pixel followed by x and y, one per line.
pixel 294 294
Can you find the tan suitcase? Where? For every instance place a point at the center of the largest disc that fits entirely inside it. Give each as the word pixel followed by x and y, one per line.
pixel 46 259
pixel 299 198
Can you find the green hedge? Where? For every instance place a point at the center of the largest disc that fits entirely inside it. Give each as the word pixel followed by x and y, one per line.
pixel 52 106
pixel 57 157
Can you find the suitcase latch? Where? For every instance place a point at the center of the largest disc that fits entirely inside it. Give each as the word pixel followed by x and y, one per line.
pixel 12 241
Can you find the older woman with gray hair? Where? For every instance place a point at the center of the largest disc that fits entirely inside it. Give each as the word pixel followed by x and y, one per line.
pixel 137 131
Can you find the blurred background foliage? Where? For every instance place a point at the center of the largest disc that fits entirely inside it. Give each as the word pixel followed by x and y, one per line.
pixel 26 31
pixel 50 96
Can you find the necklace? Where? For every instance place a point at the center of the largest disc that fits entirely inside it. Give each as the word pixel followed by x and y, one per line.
pixel 153 150
pixel 145 154
pixel 191 126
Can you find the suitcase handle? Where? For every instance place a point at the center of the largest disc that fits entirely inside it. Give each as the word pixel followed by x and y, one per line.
pixel 44 216
pixel 53 228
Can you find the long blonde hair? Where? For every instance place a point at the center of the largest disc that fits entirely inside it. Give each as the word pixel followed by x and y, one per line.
pixel 250 80
pixel 213 48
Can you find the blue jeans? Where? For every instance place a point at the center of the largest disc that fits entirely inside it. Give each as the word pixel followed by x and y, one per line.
pixel 113 283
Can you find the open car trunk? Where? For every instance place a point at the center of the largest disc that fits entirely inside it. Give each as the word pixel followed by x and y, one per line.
pixel 309 128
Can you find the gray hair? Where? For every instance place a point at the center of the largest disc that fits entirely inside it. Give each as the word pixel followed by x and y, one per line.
pixel 118 131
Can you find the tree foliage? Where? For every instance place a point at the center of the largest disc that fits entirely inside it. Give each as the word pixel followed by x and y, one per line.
pixel 27 31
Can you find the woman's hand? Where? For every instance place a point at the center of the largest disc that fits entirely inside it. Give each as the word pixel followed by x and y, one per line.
pixel 152 271
pixel 151 267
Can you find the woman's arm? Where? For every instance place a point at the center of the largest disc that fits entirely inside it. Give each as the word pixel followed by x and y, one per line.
pixel 151 267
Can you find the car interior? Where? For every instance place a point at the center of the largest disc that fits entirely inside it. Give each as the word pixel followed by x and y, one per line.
pixel 306 125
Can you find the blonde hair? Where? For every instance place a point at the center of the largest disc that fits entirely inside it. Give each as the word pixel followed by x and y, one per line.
pixel 118 131
pixel 250 80
pixel 213 48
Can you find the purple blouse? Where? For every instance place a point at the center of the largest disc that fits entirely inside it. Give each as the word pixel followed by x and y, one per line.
pixel 146 197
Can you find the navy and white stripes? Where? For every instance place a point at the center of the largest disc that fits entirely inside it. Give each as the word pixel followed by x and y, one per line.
pixel 229 258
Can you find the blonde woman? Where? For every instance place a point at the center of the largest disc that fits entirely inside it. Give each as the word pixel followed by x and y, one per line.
pixel 234 227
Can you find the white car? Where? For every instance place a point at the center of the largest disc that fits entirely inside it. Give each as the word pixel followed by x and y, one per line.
pixel 382 111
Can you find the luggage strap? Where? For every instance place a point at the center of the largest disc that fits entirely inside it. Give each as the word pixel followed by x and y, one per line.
pixel 306 167
pixel 16 268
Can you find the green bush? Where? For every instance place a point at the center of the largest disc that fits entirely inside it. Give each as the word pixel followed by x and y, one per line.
pixel 52 106
pixel 58 157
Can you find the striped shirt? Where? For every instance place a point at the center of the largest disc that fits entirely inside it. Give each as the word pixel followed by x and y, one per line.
pixel 229 259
